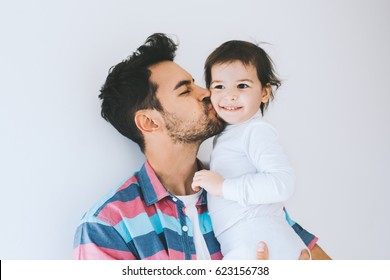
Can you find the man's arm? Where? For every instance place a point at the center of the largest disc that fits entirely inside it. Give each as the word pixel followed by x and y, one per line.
pixel 100 241
pixel 318 254
pixel 309 239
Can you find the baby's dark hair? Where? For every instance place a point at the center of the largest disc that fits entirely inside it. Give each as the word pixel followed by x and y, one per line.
pixel 249 54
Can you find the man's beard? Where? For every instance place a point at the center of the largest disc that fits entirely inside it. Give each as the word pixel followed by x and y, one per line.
pixel 192 131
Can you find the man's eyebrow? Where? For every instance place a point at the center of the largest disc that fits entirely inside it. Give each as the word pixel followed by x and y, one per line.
pixel 183 83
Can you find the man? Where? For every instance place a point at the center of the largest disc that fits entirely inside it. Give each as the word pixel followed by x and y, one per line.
pixel 156 214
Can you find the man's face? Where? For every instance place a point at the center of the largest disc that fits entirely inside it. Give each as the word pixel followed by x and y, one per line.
pixel 188 114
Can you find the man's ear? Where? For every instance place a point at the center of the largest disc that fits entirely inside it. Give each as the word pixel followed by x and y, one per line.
pixel 266 93
pixel 147 120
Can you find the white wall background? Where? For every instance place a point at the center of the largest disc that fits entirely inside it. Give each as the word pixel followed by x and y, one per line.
pixel 58 156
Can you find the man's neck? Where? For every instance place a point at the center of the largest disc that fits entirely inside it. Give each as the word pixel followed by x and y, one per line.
pixel 175 166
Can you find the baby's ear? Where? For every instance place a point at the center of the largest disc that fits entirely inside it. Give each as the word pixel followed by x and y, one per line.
pixel 266 93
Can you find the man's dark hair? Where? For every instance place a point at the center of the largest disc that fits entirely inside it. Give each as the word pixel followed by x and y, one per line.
pixel 249 54
pixel 128 88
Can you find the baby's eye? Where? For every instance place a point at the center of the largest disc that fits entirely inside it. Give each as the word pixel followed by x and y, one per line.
pixel 218 87
pixel 242 86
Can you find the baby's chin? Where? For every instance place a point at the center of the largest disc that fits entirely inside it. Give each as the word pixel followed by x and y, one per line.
pixel 221 119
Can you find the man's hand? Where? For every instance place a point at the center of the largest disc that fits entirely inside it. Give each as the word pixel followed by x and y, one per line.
pixel 209 180
pixel 304 255
pixel 262 252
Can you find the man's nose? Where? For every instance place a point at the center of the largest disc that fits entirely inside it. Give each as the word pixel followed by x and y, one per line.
pixel 202 93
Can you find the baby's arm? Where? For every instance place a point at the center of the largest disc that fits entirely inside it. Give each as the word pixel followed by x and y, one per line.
pixel 209 180
pixel 274 180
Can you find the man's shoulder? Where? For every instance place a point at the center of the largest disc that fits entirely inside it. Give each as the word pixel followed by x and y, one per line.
pixel 112 207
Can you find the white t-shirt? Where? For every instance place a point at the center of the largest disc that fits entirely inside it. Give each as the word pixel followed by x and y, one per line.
pixel 202 253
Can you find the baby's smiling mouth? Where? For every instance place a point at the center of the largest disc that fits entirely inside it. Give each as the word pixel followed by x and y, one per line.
pixel 230 108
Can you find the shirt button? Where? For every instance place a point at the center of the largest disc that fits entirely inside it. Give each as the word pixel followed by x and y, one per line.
pixel 185 228
pixel 174 199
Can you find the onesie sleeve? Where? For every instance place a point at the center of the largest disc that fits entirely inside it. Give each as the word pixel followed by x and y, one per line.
pixel 274 178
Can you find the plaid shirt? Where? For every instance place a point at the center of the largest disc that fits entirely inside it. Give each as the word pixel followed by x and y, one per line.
pixel 142 220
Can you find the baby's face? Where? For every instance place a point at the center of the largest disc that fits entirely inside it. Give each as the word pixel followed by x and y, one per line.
pixel 236 91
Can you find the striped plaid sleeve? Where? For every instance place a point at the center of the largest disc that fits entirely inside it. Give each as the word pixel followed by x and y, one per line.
pixel 308 238
pixel 91 243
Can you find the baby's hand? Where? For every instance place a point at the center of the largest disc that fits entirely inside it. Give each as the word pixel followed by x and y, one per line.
pixel 209 180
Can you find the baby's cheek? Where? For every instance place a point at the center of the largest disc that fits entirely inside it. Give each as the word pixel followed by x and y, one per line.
pixel 214 100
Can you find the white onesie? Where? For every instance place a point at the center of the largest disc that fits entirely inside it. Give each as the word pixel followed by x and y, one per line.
pixel 258 179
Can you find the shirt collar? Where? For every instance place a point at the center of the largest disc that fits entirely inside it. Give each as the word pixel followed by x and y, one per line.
pixel 152 188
